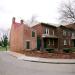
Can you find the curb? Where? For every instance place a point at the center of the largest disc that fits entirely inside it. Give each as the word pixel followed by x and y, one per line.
pixel 50 62
pixel 41 60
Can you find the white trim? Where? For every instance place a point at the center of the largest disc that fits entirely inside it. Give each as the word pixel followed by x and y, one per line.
pixel 47 31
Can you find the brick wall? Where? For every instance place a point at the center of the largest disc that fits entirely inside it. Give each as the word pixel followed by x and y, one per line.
pixel 19 34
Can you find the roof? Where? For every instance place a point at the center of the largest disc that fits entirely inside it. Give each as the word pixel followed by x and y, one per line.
pixel 70 28
pixel 45 24
pixel 70 25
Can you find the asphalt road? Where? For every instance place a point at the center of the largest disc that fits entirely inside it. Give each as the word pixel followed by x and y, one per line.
pixel 9 65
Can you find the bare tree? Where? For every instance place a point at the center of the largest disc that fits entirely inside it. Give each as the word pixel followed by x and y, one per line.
pixel 67 12
pixel 33 18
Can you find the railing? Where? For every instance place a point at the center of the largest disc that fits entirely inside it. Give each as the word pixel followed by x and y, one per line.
pixel 48 35
pixel 73 37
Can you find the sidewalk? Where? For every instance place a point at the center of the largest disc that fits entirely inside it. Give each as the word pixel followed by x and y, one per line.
pixel 41 60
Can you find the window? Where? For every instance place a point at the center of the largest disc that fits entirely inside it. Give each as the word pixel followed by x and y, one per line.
pixel 46 31
pixel 73 34
pixel 64 32
pixel 65 42
pixel 53 32
pixel 27 44
pixel 33 34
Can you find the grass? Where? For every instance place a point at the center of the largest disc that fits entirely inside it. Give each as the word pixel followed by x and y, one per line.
pixel 3 48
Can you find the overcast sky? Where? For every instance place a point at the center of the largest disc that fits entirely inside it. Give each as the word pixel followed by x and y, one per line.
pixel 44 10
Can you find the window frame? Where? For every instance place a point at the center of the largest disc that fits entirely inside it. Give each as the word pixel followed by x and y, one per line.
pixel 46 31
pixel 65 42
pixel 32 33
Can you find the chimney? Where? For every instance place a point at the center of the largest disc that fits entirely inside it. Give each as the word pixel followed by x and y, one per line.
pixel 21 21
pixel 13 20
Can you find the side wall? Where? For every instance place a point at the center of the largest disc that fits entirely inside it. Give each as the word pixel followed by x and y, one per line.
pixel 16 38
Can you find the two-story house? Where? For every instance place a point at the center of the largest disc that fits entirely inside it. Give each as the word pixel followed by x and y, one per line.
pixel 47 36
pixel 22 37
pixel 66 37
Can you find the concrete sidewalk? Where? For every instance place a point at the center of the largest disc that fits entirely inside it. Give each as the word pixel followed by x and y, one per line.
pixel 41 60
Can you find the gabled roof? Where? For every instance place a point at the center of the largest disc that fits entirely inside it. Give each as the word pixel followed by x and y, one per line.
pixel 45 24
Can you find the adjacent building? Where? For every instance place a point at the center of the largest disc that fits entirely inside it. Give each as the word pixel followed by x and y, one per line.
pixel 66 37
pixel 22 37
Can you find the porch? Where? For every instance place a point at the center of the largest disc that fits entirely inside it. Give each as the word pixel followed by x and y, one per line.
pixel 49 43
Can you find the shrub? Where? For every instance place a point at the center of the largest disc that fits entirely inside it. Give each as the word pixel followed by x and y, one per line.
pixel 73 49
pixel 50 50
pixel 67 50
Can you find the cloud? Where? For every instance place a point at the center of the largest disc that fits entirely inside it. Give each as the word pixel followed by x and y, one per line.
pixel 46 10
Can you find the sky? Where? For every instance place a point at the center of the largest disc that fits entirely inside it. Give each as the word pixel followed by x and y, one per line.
pixel 44 11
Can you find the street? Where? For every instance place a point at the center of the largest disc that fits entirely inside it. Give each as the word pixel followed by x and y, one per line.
pixel 9 65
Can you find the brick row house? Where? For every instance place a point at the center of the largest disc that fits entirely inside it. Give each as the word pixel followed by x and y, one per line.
pixel 66 37
pixel 49 36
pixel 40 36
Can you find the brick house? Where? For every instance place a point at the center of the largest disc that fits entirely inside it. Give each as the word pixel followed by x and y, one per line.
pixel 66 37
pixel 22 37
pixel 49 36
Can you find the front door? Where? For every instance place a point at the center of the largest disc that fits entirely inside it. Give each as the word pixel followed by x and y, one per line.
pixel 38 43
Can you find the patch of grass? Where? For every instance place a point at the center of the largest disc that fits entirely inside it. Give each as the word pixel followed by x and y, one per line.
pixel 3 48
